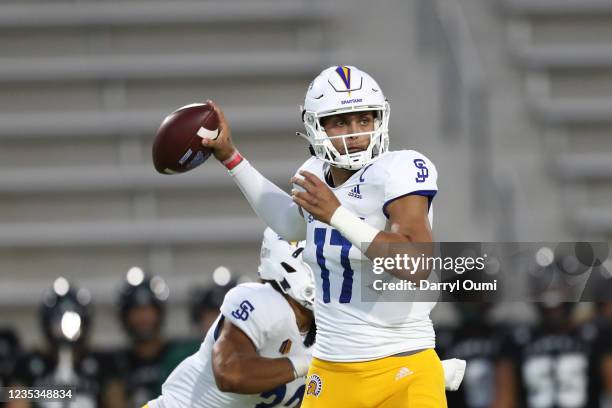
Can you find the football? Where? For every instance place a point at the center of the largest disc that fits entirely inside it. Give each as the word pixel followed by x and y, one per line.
pixel 178 143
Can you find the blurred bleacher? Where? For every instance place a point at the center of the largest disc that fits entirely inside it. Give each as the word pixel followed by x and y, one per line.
pixel 84 86
pixel 564 49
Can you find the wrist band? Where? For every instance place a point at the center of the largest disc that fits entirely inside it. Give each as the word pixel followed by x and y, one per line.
pixel 234 160
pixel 357 231
pixel 300 365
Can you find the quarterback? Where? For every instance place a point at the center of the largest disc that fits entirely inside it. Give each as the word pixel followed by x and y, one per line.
pixel 351 194
pixel 258 351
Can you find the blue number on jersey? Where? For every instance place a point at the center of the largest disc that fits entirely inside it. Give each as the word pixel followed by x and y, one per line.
pixel 278 394
pixel 319 238
pixel 347 282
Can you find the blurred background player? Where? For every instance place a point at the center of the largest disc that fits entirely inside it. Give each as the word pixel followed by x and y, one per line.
pixel 142 309
pixel 9 352
pixel 558 362
pixel 258 350
pixel 66 360
pixel 473 339
pixel 205 305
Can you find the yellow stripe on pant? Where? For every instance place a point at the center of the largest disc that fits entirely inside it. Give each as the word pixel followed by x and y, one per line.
pixel 414 381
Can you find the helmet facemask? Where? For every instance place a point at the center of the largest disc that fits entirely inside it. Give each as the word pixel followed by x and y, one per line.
pixel 322 143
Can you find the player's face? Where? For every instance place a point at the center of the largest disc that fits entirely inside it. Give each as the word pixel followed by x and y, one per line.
pixel 144 321
pixel 348 123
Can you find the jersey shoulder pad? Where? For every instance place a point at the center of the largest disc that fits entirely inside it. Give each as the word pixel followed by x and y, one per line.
pixel 256 309
pixel 313 165
pixel 409 172
pixel 399 158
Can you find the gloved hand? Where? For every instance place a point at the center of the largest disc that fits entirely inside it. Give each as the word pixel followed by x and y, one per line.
pixel 454 369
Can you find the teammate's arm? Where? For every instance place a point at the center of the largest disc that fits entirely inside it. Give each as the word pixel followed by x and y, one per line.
pixel 270 203
pixel 238 368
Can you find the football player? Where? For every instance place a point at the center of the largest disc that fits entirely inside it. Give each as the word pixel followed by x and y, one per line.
pixel 67 360
pixel 142 309
pixel 205 305
pixel 556 364
pixel 258 350
pixel 352 197
pixel 473 340
pixel 10 350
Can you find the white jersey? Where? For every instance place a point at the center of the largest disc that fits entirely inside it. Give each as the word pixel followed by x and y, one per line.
pixel 347 328
pixel 266 318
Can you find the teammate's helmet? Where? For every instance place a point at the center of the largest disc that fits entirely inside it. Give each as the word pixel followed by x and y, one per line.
pixel 140 289
pixel 282 263
pixel 65 313
pixel 345 89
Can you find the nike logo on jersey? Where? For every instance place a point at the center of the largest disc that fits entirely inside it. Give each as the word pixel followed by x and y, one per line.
pixel 403 372
pixel 355 192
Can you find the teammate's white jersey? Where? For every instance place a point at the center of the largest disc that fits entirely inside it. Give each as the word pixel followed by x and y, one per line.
pixel 347 328
pixel 267 319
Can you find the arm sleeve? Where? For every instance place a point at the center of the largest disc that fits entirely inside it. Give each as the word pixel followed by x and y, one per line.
pixel 271 204
pixel 245 310
pixel 410 173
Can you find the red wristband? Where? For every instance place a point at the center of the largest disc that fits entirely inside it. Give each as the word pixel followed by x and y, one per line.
pixel 234 160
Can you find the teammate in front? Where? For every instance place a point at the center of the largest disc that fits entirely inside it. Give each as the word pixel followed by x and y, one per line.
pixel 352 193
pixel 258 351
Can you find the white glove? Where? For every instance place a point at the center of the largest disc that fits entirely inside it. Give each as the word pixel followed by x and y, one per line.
pixel 454 369
pixel 301 364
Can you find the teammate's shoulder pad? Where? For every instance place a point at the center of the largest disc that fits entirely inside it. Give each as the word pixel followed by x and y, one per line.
pixel 240 292
pixel 263 299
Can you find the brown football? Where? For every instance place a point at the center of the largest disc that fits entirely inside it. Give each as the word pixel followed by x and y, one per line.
pixel 178 144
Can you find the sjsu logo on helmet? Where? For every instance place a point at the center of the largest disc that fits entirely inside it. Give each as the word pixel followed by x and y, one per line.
pixel 314 385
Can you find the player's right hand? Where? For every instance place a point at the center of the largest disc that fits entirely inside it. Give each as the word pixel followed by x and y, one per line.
pixel 222 146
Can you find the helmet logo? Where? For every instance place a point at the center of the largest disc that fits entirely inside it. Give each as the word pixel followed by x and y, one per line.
pixel 345 75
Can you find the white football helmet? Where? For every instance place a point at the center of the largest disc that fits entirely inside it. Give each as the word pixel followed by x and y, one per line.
pixel 282 262
pixel 343 89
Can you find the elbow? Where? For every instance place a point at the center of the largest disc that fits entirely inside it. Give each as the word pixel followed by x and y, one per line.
pixel 228 382
pixel 228 377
